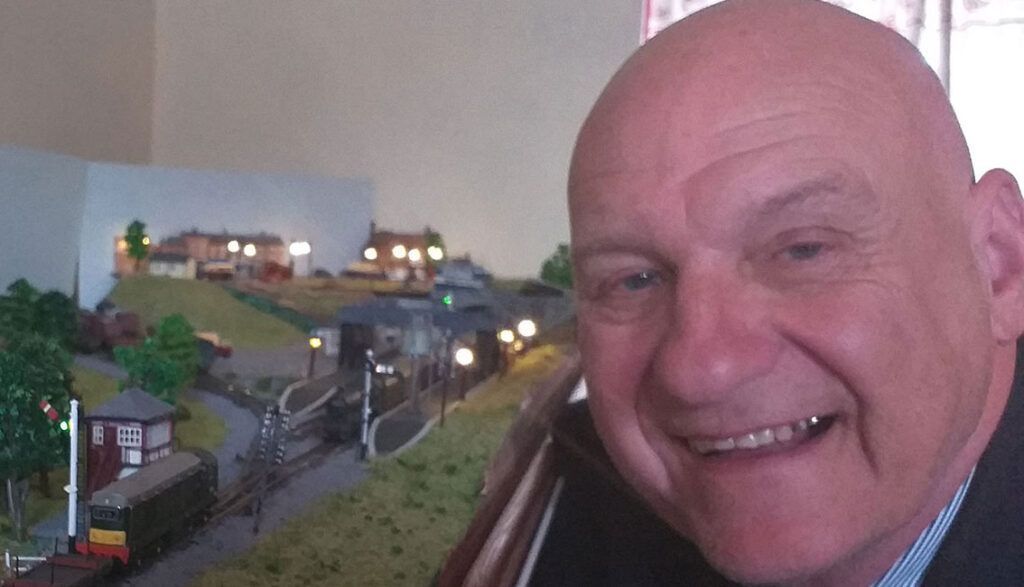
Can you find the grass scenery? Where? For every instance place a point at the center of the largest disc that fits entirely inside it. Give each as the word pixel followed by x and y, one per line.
pixel 207 306
pixel 397 526
pixel 318 298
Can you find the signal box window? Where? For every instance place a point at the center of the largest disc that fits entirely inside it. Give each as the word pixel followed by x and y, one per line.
pixel 97 435
pixel 129 436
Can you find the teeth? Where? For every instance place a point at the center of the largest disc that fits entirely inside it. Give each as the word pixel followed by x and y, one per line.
pixel 765 437
pixel 754 440
pixel 784 433
pixel 747 441
pixel 727 444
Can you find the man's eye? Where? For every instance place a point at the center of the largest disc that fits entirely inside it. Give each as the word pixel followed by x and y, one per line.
pixel 641 280
pixel 804 251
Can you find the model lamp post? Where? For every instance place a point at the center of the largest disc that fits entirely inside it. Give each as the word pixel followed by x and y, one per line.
pixel 234 247
pixel 315 342
pixel 435 253
pixel 249 250
pixel 506 337
pixel 370 254
pixel 146 241
pixel 301 249
pixel 72 487
pixel 398 251
pixel 527 328
pixel 464 358
pixel 415 256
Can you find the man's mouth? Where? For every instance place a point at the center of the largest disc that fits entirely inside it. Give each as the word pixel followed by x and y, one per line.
pixel 766 439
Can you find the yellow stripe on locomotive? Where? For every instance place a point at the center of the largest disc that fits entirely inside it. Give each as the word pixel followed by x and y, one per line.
pixel 108 537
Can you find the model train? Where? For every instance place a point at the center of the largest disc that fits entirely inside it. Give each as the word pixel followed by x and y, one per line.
pixel 133 518
pixel 136 516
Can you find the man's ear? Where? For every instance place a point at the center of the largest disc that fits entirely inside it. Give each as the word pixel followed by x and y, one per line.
pixel 999 238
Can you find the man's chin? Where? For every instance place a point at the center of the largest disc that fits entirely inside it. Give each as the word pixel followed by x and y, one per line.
pixel 768 556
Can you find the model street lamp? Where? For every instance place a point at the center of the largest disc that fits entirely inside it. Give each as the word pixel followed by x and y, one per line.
pixel 464 357
pixel 315 342
pixel 398 251
pixel 370 254
pixel 527 328
pixel 249 250
pixel 415 256
pixel 300 248
pixel 506 336
pixel 234 247
pixel 435 253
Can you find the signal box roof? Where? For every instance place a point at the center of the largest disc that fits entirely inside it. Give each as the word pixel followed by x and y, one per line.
pixel 132 404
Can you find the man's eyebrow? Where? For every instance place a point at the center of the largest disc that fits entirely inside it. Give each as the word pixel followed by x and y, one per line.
pixel 803 192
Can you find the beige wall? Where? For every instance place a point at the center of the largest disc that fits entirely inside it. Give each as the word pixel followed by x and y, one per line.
pixel 76 76
pixel 462 112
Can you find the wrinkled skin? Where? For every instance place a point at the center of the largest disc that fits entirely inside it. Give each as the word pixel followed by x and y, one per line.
pixel 774 217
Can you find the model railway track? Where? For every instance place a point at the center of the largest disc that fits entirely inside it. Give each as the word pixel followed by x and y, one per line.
pixel 241 494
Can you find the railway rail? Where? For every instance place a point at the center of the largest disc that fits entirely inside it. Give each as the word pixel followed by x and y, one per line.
pixel 240 494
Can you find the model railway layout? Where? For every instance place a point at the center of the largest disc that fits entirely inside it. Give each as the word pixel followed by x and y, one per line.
pixel 136 518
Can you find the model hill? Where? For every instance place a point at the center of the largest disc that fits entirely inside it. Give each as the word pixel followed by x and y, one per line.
pixel 207 306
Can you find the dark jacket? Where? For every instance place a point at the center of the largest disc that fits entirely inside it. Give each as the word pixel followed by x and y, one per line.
pixel 602 534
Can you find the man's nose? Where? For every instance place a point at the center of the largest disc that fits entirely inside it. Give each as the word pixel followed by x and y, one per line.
pixel 720 338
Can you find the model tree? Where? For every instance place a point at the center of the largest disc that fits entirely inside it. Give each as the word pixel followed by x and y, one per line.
pixel 557 269
pixel 17 309
pixel 52 314
pixel 176 339
pixel 151 370
pixel 137 241
pixel 434 239
pixel 35 385
pixel 55 316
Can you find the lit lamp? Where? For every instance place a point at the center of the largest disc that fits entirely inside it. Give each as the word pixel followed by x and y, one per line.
pixel 415 256
pixel 370 254
pixel 301 249
pixel 249 250
pixel 527 328
pixel 145 241
pixel 463 358
pixel 506 337
pixel 398 251
pixel 234 247
pixel 315 342
pixel 435 253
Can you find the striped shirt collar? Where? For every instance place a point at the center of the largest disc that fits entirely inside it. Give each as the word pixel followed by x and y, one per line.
pixel 910 568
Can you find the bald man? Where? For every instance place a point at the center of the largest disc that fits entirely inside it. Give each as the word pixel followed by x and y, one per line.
pixel 798 316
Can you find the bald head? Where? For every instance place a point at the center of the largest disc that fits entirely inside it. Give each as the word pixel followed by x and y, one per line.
pixel 712 71
pixel 774 222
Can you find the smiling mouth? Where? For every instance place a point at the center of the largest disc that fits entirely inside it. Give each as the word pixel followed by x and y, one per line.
pixel 767 439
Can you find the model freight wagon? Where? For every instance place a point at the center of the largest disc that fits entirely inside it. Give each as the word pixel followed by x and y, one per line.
pixel 138 515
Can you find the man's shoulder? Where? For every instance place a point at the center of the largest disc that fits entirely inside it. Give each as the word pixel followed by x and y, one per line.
pixel 985 544
pixel 601 533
